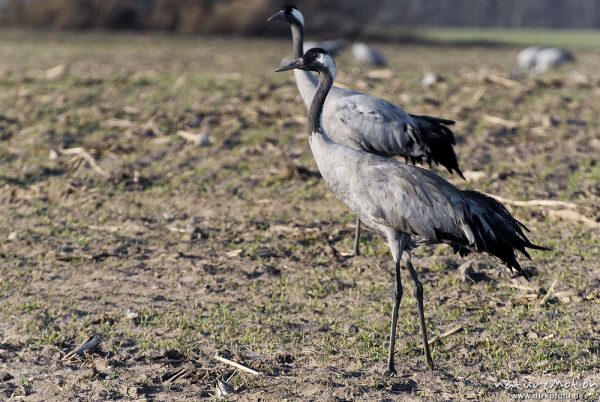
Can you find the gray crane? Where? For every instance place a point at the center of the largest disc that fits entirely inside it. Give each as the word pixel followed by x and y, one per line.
pixel 406 204
pixel 372 124
pixel 537 60
pixel 368 55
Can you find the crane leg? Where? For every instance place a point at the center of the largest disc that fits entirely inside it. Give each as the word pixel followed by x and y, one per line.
pixel 419 297
pixel 357 237
pixel 391 370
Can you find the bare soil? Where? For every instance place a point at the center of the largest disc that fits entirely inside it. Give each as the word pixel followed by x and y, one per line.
pixel 173 252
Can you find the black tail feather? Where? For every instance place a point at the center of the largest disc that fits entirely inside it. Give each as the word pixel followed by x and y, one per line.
pixel 497 232
pixel 439 140
pixel 437 120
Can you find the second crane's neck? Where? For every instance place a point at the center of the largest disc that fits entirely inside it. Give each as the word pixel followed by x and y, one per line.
pixel 298 39
pixel 305 80
pixel 316 108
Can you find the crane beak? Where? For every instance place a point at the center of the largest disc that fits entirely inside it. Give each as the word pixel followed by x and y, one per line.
pixel 298 63
pixel 280 16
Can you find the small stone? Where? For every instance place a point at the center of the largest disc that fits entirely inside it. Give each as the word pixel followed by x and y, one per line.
pixel 12 236
pixel 204 140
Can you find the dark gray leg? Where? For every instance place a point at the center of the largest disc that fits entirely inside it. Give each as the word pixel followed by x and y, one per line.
pixel 397 299
pixel 357 237
pixel 419 297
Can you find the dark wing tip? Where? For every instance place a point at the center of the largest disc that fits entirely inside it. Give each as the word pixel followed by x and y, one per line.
pixel 508 236
pixel 439 140
pixel 438 120
pixel 513 263
pixel 536 247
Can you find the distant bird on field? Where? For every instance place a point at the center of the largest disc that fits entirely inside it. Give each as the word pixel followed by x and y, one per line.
pixel 430 79
pixel 406 204
pixel 539 59
pixel 372 124
pixel 368 55
pixel 333 46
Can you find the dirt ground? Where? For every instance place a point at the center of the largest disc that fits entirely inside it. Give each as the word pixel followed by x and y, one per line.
pixel 159 192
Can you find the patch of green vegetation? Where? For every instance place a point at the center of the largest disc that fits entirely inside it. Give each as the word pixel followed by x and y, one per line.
pixel 521 37
pixel 29 306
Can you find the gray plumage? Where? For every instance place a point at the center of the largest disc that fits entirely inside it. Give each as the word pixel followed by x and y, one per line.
pixel 365 122
pixel 406 204
pixel 368 56
pixel 372 124
pixel 551 57
pixel 526 58
pixel 537 60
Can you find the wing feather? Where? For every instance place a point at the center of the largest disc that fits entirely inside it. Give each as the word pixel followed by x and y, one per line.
pixel 409 199
pixel 372 124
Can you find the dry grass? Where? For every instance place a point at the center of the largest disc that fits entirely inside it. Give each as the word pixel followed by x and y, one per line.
pixel 185 251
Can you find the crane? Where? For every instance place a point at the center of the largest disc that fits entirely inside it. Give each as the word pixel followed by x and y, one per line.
pixel 368 55
pixel 408 205
pixel 537 60
pixel 372 124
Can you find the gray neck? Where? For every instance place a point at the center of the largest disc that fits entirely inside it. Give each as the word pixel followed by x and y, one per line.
pixel 316 107
pixel 298 39
pixel 305 80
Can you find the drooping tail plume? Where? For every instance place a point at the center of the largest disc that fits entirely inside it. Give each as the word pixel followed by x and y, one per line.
pixel 496 231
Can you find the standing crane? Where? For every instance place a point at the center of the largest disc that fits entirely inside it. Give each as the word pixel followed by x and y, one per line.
pixel 406 204
pixel 371 124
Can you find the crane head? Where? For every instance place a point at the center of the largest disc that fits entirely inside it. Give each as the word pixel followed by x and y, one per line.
pixel 290 14
pixel 315 59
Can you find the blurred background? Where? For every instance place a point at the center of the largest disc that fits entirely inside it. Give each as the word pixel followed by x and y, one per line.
pixel 381 18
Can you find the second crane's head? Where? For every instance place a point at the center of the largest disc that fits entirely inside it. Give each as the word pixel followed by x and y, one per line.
pixel 315 59
pixel 290 14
